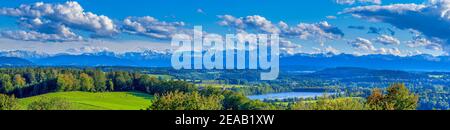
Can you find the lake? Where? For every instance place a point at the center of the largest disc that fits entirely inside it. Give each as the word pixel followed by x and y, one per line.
pixel 287 95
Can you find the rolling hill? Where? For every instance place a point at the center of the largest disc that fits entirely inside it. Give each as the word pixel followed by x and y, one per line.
pixel 13 61
pixel 98 101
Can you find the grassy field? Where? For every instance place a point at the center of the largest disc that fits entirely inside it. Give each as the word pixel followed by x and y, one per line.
pixel 164 77
pixel 98 101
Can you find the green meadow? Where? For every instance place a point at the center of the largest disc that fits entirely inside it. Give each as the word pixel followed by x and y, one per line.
pixel 98 101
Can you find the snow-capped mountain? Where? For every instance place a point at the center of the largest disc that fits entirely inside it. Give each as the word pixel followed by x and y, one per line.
pixel 29 55
pixel 153 58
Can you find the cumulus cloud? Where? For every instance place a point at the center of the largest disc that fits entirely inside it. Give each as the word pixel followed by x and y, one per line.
pixel 432 18
pixel 152 27
pixel 418 41
pixel 351 2
pixel 362 44
pixel 387 40
pixel 414 52
pixel 332 50
pixel 367 46
pixel 48 19
pixel 288 47
pixel 256 22
pixel 305 31
pixel 37 36
pixel 390 51
pixel 435 47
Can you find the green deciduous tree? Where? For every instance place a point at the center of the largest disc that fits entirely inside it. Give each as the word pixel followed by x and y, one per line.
pixel 186 101
pixel 65 82
pixel 86 82
pixel 47 103
pixel 397 97
pixel 110 85
pixel 5 83
pixel 8 102
pixel 99 80
pixel 376 100
pixel 19 81
pixel 327 103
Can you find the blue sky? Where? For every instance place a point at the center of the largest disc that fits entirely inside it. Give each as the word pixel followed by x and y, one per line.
pixel 170 13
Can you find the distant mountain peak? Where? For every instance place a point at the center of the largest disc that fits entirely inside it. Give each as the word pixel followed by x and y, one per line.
pixel 161 58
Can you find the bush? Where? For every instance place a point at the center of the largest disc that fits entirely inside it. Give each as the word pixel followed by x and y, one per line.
pixel 8 102
pixel 326 103
pixel 186 101
pixel 258 105
pixel 398 97
pixel 47 103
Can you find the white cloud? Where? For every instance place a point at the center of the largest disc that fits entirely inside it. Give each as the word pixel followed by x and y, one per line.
pixel 46 19
pixel 228 20
pixel 387 40
pixel 305 31
pixel 367 46
pixel 391 51
pixel 37 36
pixel 200 11
pixel 69 14
pixel 362 44
pixel 431 19
pixel 255 22
pixel 331 17
pixel 435 47
pixel 288 47
pixel 332 50
pixel 351 2
pixel 423 42
pixel 152 27
pixel 415 52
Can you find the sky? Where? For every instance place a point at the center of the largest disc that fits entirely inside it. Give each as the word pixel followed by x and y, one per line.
pixel 360 27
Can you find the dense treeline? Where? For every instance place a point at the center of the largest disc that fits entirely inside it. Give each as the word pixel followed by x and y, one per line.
pixel 8 102
pixel 25 82
pixel 186 101
pixel 433 87
pixel 174 94
pixel 395 97
pixel 209 98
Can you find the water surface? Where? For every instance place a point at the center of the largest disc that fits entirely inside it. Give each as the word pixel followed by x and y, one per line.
pixel 287 95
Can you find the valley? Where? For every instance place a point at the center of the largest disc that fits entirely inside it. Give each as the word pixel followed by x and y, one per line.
pixel 114 88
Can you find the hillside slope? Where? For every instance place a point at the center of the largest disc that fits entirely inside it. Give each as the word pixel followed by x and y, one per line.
pixel 98 101
pixel 12 61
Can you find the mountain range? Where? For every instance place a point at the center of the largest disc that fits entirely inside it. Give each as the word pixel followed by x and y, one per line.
pixel 298 62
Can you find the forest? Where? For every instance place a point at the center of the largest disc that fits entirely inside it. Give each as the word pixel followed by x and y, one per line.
pixel 174 93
